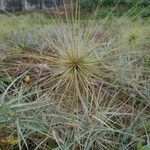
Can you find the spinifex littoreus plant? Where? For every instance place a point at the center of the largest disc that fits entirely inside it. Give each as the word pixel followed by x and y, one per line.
pixel 89 81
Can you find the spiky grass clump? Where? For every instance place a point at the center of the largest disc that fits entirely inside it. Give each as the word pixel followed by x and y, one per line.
pixel 135 34
pixel 77 69
pixel 75 62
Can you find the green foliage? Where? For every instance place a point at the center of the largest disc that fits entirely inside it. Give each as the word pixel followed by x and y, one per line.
pixel 109 3
pixel 17 48
pixel 141 147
